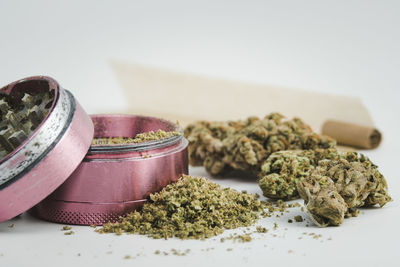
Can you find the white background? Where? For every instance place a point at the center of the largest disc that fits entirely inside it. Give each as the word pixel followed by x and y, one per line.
pixel 343 47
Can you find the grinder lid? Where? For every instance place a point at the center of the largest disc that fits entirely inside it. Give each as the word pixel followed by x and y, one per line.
pixel 44 135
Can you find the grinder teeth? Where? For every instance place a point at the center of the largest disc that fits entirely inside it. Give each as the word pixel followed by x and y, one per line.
pixel 3 106
pixel 18 122
pixel 17 138
pixel 35 115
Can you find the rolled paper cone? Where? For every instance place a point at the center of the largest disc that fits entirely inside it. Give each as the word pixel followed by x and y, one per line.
pixel 352 134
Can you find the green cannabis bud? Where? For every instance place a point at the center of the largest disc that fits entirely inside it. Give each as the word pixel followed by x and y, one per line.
pixel 245 145
pixel 291 161
pixel 205 143
pixel 282 170
pixel 337 188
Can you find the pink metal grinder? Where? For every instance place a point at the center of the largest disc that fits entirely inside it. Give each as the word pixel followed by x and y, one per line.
pixel 113 180
pixel 44 160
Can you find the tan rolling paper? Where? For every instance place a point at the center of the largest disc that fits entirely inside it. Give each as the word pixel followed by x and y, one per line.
pixel 187 97
pixel 350 134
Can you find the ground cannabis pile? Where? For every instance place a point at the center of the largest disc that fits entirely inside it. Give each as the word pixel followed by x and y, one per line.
pixel 291 161
pixel 139 138
pixel 20 118
pixel 191 208
pixel 245 145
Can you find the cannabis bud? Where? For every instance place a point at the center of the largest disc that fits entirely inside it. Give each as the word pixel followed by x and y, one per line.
pixel 282 170
pixel 245 145
pixel 205 144
pixel 290 161
pixel 337 188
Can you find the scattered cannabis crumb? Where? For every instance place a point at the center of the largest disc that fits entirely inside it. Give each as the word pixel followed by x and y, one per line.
pixel 244 238
pixel 11 226
pixel 66 228
pixel 139 138
pixel 191 208
pixel 179 253
pixel 317 236
pixel 127 257
pixel 69 233
pixel 298 218
pixel 261 229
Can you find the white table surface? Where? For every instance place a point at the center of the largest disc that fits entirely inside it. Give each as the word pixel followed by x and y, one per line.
pixel 342 47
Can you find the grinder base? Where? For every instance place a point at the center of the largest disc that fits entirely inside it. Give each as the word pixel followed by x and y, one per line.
pixel 81 213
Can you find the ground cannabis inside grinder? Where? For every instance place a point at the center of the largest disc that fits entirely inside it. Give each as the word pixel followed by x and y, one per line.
pixel 139 138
